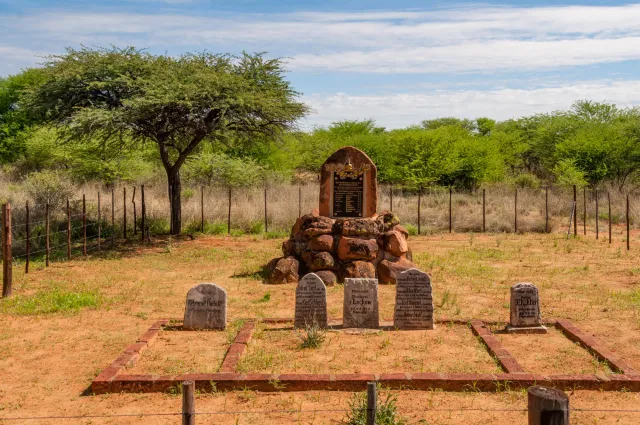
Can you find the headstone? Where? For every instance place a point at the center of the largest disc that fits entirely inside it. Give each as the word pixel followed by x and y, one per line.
pixel 311 301
pixel 206 307
pixel 348 185
pixel 360 303
pixel 525 310
pixel 414 301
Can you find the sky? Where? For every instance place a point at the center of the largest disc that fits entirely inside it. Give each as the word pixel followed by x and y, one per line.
pixel 397 62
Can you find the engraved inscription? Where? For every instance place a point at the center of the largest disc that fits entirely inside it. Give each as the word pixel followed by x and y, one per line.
pixel 414 301
pixel 348 196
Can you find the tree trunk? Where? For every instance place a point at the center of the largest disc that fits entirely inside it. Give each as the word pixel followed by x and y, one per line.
pixel 175 189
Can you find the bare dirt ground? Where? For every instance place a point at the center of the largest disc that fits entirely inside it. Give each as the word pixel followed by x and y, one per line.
pixel 48 358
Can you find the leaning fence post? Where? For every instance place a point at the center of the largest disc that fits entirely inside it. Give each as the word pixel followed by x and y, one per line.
pixel 371 403
pixel 584 210
pixel 628 226
pixel 28 239
pixel 135 213
pixel 68 230
pixel 450 210
pixel 609 202
pixel 547 406
pixel 47 237
pixel 484 210
pixel 575 211
pixel 188 403
pixel 124 213
pixel 597 216
pixel 143 214
pixel 113 218
pixel 419 202
pixel 229 215
pixel 84 226
pixel 7 260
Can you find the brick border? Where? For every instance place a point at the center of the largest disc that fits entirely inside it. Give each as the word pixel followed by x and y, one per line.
pixel 113 380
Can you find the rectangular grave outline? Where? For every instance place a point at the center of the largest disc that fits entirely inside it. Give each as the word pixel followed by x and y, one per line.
pixel 113 378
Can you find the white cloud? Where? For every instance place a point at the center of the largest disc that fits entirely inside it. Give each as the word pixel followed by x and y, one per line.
pixel 400 110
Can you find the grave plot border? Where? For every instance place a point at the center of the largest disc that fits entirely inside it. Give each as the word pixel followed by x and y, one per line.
pixel 113 379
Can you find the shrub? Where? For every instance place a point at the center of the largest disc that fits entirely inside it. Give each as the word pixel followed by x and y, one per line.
pixel 527 181
pixel 313 335
pixel 49 186
pixel 385 410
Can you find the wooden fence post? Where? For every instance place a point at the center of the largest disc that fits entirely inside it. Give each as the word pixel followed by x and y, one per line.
pixel 202 209
pixel 371 403
pixel 124 213
pixel 597 216
pixel 391 198
pixel 609 202
pixel 515 219
pixel 450 210
pixel 546 209
pixel 28 239
pixel 575 211
pixel 419 202
pixel 47 236
pixel 265 210
pixel 68 230
pixel 584 211
pixel 628 226
pixel 229 215
pixel 188 403
pixel 99 222
pixel 113 218
pixel 547 406
pixel 143 214
pixel 299 201
pixel 84 226
pixel 484 210
pixel 7 259
pixel 135 212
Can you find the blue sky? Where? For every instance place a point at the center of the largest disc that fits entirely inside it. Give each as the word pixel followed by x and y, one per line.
pixel 397 62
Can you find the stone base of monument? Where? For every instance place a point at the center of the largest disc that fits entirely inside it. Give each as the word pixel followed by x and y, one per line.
pixel 526 329
pixel 337 249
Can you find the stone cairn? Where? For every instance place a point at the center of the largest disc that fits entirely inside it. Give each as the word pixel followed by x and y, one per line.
pixel 337 249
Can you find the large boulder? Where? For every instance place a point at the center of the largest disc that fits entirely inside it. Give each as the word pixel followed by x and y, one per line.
pixel 389 270
pixel 294 246
pixel 401 229
pixel 321 243
pixel 357 269
pixel 283 270
pixel 357 249
pixel 388 220
pixel 319 260
pixel 395 243
pixel 328 277
pixel 360 227
pixel 316 225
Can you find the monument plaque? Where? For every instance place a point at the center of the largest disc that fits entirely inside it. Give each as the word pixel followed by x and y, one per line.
pixel 414 301
pixel 525 310
pixel 360 309
pixel 348 185
pixel 206 307
pixel 311 302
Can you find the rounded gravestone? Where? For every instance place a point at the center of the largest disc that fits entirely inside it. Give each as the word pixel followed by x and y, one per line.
pixel 414 301
pixel 206 307
pixel 311 302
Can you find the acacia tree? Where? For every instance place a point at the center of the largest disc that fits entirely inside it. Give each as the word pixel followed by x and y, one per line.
pixel 126 98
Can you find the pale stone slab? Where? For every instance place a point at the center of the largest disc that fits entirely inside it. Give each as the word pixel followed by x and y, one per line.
pixel 361 303
pixel 206 307
pixel 311 302
pixel 414 301
pixel 525 306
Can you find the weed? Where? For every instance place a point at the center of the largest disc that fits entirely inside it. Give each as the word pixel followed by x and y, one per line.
pixel 265 298
pixel 48 302
pixel 386 410
pixel 313 335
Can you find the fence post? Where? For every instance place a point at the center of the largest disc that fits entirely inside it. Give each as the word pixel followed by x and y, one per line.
pixel 628 226
pixel 597 216
pixel 124 213
pixel 188 403
pixel 47 238
pixel 546 209
pixel 575 211
pixel 609 202
pixel 202 209
pixel 299 201
pixel 99 222
pixel 143 214
pixel 135 212
pixel 450 210
pixel 28 239
pixel 484 210
pixel 391 198
pixel 68 230
pixel 84 226
pixel 229 215
pixel 547 406
pixel 265 210
pixel 584 211
pixel 7 260
pixel 371 403
pixel 113 217
pixel 515 210
pixel 419 202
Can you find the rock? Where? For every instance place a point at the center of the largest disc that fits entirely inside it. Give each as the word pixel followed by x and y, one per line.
pixel 316 225
pixel 283 270
pixel 388 220
pixel 357 269
pixel 294 246
pixel 357 249
pixel 401 229
pixel 362 227
pixel 395 243
pixel 328 277
pixel 321 243
pixel 318 260
pixel 388 270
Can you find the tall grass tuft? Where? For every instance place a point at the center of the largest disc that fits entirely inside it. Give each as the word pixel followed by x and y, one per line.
pixel 386 410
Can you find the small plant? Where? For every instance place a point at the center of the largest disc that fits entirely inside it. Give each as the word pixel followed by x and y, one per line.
pixel 313 335
pixel 265 298
pixel 386 410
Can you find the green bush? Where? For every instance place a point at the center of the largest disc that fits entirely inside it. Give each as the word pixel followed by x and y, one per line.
pixel 411 229
pixel 157 226
pixel 49 186
pixel 527 181
pixel 386 410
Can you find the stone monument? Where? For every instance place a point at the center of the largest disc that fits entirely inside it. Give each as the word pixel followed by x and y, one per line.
pixel 525 310
pixel 206 307
pixel 414 301
pixel 311 302
pixel 360 309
